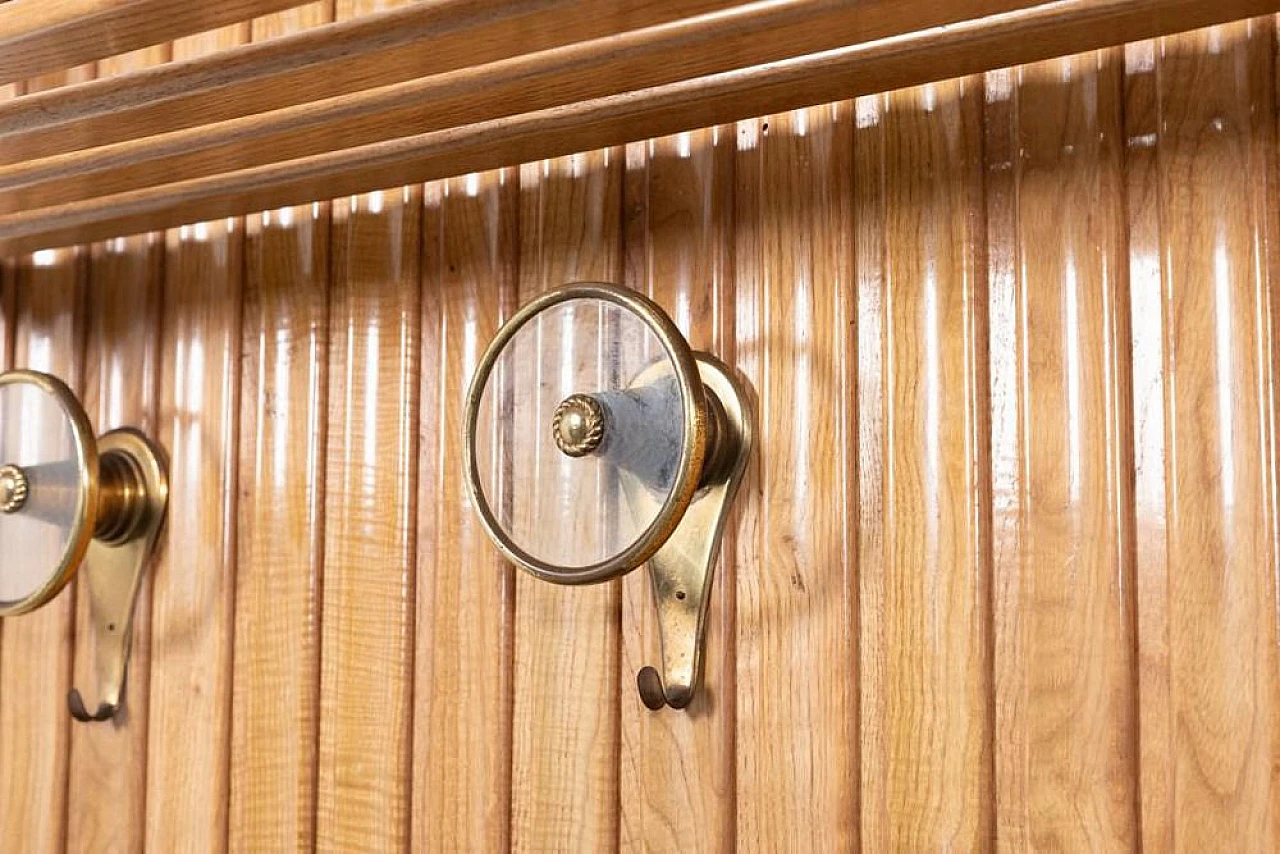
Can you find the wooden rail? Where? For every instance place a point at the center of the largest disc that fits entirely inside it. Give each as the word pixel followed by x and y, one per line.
pixel 276 127
pixel 47 35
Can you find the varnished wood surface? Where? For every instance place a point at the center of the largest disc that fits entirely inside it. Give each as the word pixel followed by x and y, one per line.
pixel 41 36
pixel 280 514
pixel 1001 575
pixel 466 594
pixel 193 577
pixel 1063 575
pixel 122 365
pixel 376 49
pixel 620 61
pixel 48 334
pixel 694 71
pixel 678 770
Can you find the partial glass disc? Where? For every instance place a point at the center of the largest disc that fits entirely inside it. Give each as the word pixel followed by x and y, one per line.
pixel 585 397
pixel 46 459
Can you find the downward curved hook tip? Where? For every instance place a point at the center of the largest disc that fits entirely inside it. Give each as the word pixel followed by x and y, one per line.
pixel 75 704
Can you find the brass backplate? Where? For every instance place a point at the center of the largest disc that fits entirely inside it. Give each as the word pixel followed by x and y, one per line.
pixel 682 570
pixel 113 572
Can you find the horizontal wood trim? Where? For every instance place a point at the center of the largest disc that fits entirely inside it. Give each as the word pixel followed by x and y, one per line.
pixel 910 57
pixel 746 35
pixel 354 55
pixel 37 36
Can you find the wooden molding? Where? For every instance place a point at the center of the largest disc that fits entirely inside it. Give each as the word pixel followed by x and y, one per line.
pixel 38 36
pixel 686 72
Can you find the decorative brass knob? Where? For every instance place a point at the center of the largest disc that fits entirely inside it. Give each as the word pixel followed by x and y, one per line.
pixel 13 489
pixel 578 425
pixel 647 444
pixel 69 503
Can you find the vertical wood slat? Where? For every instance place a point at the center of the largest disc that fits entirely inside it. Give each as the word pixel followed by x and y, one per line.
pixel 924 534
pixel 370 523
pixel 565 786
pixel 284 415
pixel 797 668
pixel 36 658
pixel 1061 438
pixel 364 792
pixel 466 592
pixel 122 374
pixel 1202 220
pixel 193 582
pixel 677 768
pixel 122 381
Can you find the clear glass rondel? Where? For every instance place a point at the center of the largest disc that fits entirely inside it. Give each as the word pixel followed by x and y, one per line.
pixel 584 343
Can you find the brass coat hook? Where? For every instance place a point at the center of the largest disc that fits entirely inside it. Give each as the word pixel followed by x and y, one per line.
pixel 597 440
pixel 70 503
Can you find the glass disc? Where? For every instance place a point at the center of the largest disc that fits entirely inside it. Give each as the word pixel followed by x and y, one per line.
pixel 46 439
pixel 574 513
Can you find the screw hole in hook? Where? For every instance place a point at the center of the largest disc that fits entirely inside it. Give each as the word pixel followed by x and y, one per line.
pixel 679 594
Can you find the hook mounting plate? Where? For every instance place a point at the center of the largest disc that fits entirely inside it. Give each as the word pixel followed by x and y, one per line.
pixel 113 573
pixel 681 572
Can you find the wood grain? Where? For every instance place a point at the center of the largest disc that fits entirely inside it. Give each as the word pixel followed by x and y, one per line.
pixel 193 585
pixel 912 57
pixel 122 381
pixel 122 377
pixel 738 36
pixel 796 745
pixel 924 536
pixel 37 653
pixel 1066 751
pixel 370 524
pixel 367 667
pixel 36 657
pixel 565 785
pixel 375 49
pixel 678 766
pixel 466 592
pixel 1202 215
pixel 283 421
pixel 40 36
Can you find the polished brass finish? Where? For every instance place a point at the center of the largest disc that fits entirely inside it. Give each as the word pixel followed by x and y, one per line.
pixel 13 489
pixel 82 480
pixel 578 425
pixel 682 570
pixel 688 469
pixel 134 499
pixel 682 543
pixel 121 489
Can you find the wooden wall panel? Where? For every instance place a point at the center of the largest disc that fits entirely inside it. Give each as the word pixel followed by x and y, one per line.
pixel 121 386
pixel 367 669
pixel 280 513
pixel 565 776
pixel 35 660
pixel 193 583
pixel 1202 215
pixel 1002 574
pixel 466 592
pixel 797 750
pixel 924 550
pixel 370 523
pixel 122 373
pixel 678 768
pixel 1066 746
